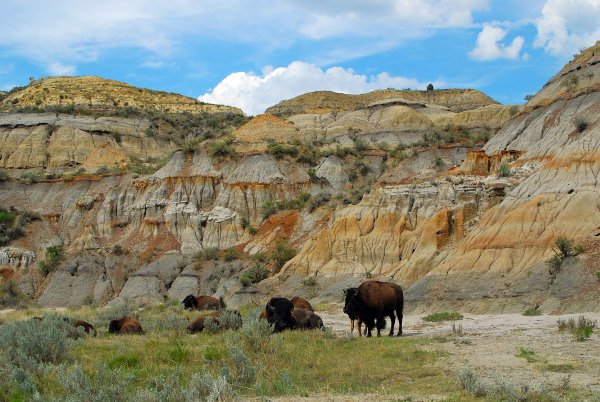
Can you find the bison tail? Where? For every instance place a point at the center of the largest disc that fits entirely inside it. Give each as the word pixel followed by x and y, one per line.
pixel 222 302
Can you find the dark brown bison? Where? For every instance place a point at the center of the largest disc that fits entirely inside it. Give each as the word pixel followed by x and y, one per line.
pixel 282 315
pixel 192 302
pixel 372 301
pixel 305 319
pixel 299 302
pixel 127 325
pixel 87 327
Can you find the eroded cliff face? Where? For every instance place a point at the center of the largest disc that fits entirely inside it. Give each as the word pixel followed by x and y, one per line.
pixel 456 250
pixel 401 187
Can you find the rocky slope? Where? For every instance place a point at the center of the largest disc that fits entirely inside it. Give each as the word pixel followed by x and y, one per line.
pixel 91 123
pixel 97 93
pixel 399 188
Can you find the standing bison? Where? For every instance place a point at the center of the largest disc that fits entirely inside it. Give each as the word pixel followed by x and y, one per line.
pixel 192 302
pixel 282 314
pixel 372 301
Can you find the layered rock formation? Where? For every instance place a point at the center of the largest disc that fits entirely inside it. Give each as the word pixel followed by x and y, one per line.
pixel 400 189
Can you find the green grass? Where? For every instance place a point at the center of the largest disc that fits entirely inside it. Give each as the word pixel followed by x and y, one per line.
pixel 531 312
pixel 528 355
pixel 288 364
pixel 443 316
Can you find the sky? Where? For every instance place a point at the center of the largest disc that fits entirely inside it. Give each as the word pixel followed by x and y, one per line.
pixel 255 53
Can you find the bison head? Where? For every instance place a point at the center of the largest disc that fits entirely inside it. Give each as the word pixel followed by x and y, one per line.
pixel 189 302
pixel 352 303
pixel 114 327
pixel 279 313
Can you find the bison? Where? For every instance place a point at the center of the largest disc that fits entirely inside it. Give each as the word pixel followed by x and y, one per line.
pixel 297 302
pixel 199 323
pixel 127 325
pixel 87 327
pixel 192 302
pixel 282 315
pixel 372 301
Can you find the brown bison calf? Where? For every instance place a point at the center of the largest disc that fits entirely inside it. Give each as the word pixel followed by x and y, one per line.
pixel 198 324
pixel 127 325
pixel 222 322
pixel 192 302
pixel 87 327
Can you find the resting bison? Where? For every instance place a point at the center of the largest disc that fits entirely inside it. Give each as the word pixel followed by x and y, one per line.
pixel 87 327
pixel 282 315
pixel 297 302
pixel 198 324
pixel 203 303
pixel 372 301
pixel 127 325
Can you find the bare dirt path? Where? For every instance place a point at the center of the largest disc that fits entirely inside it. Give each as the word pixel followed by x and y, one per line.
pixel 489 345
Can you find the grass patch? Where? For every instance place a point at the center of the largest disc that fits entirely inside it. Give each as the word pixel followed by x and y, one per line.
pixel 531 312
pixel 443 316
pixel 581 329
pixel 528 355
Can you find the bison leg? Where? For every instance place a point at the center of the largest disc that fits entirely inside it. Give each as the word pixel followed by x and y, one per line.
pixel 393 320
pixel 370 324
pixel 399 309
pixel 352 327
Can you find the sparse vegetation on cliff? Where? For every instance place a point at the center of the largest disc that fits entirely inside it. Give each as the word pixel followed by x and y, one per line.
pixel 13 223
pixel 54 256
pixel 563 248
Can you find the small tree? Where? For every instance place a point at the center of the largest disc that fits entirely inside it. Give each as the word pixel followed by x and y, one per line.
pixel 563 248
pixel 430 87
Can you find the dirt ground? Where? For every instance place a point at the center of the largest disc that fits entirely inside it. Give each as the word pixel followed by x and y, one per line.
pixel 488 344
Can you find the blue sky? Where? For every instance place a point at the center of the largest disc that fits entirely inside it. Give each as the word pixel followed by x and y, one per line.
pixel 253 54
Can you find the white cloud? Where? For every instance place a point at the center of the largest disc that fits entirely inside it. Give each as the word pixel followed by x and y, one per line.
pixel 489 46
pixel 56 68
pixel 254 93
pixel 565 26
pixel 75 31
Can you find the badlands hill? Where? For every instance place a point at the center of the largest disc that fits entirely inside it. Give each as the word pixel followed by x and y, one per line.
pixel 95 93
pixel 65 124
pixel 448 193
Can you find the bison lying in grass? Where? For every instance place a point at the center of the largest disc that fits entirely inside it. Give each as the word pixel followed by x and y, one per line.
pixel 192 302
pixel 297 302
pixel 372 301
pixel 127 325
pixel 223 320
pixel 282 314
